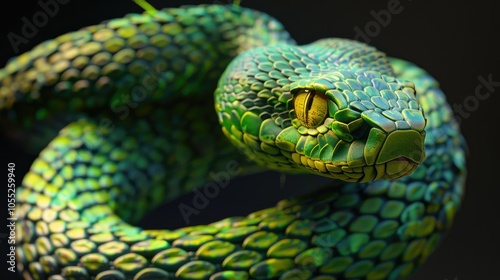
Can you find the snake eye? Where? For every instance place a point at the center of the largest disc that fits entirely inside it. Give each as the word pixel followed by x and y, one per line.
pixel 311 107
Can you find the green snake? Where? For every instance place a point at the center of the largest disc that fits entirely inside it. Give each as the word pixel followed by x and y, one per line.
pixel 121 115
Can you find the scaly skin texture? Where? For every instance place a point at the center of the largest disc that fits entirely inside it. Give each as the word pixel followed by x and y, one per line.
pixel 123 115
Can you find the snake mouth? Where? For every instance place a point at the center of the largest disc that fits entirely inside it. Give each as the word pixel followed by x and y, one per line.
pixel 390 170
pixel 396 157
pixel 398 168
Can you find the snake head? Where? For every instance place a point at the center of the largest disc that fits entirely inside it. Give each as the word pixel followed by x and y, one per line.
pixel 353 124
pixel 355 133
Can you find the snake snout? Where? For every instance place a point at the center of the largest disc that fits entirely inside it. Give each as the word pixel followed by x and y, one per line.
pixel 402 144
pixel 401 153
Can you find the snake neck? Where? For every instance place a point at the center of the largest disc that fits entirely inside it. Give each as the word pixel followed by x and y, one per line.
pixel 126 67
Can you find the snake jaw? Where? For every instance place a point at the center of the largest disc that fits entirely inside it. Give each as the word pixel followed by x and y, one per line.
pixel 376 156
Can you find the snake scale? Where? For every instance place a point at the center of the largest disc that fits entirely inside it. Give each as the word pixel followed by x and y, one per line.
pixel 121 115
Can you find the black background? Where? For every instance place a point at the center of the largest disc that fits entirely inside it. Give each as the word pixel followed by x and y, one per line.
pixel 456 42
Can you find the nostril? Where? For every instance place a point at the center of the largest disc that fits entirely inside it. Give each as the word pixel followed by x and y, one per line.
pixel 351 131
pixel 342 131
pixel 361 130
pixel 348 124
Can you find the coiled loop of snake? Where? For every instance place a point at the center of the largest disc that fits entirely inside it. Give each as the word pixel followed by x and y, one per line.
pixel 121 115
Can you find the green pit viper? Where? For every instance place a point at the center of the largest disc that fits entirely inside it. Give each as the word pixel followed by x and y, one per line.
pixel 121 115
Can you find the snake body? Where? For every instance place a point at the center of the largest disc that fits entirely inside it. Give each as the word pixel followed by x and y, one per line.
pixel 122 116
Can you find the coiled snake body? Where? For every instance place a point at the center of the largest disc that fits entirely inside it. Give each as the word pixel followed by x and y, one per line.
pixel 123 115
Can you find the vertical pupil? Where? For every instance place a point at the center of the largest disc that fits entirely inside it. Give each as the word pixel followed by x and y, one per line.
pixel 311 107
pixel 309 100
